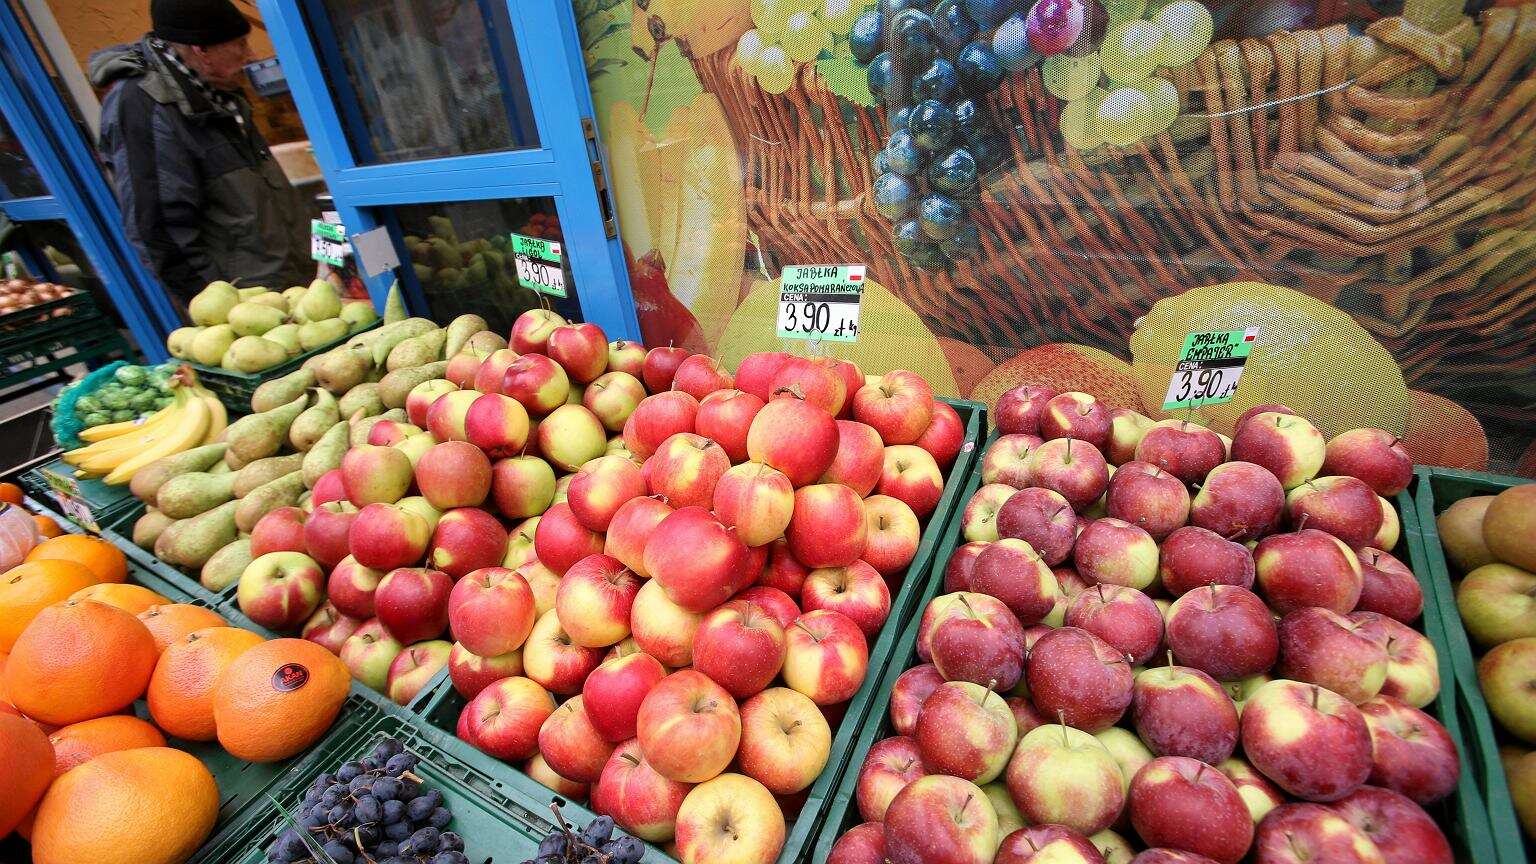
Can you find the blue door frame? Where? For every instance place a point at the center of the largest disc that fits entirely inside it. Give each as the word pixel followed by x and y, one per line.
pixel 79 194
pixel 561 167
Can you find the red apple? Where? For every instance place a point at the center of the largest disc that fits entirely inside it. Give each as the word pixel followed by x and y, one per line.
pixel 660 366
pixel 1076 675
pixel 1013 572
pixel 351 586
pixel 1007 460
pixel 1065 776
pixel 814 380
pixel 327 489
pixel 1260 795
pixel 1400 829
pixel 582 349
pixel 1040 844
pixel 1309 740
pixel 561 540
pixel 1181 711
pixel 532 329
pixel 1374 456
pixel 857 591
pixel 325 533
pixel 492 371
pixel 641 801
pixel 1239 501
pixel 940 818
pixel 972 637
pixel 944 436
pixel 282 530
pixel 612 398
pixel 861 844
pixel 280 590
pixel 412 603
pixel 615 690
pixel 741 647
pixel 504 719
pixel 551 658
pixel 1123 617
pixel 911 689
pixel 375 475
pixel 756 371
pixel 1018 410
pixel 601 487
pixel 785 741
pixel 783 571
pixel 1183 803
pixel 570 743
pixel 962 562
pixel 448 414
pixel 1296 833
pixel 1413 671
pixel 779 606
pixel 724 417
pixel 1072 468
pixel 522 486
pixel 491 611
pixel 662 628
pixel 1043 519
pixel 330 629
pixel 414 667
pixel 463 366
pixel 368 653
pixel 594 601
pixel 1307 568
pixel 1114 551
pixel 1342 506
pixel 685 469
pixel 700 375
pixel 699 562
pixel 466 539
pixel 630 527
pixel 893 536
pixel 981 753
pixel 418 403
pixel 1318 646
pixel 1183 448
pixel 979 518
pixel 536 381
pixel 910 474
pixel 860 458
pixel 1148 497
pixel 689 727
pixel 626 356
pixel 828 526
pixel 796 437
pixel 1195 557
pixel 1126 429
pixel 657 418
pixel 1224 631
pixel 496 424
pixel 1411 753
pixel 1290 447
pixel 899 406
pixel 826 657
pixel 471 673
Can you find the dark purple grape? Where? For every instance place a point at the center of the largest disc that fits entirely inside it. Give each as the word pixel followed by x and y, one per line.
pixel 907 236
pixel 932 124
pixel 912 46
pixel 894 195
pixel 393 811
pixel 979 70
pixel 881 73
pixel 338 851
pixel 953 172
pixel 385 848
pixel 902 154
pixel 387 748
pixel 440 817
pixel 451 842
pixel 866 37
pixel 988 13
pixel 952 27
pixel 386 788
pixel 938 81
pixel 348 772
pixel 368 810
pixel 899 119
pixel 597 831
pixel 449 858
pixel 400 763
pixel 939 216
pixel 397 830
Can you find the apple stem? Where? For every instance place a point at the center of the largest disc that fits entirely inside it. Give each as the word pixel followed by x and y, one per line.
pixel 1302 522
pixel 1061 717
pixel 1315 696
pixel 807 631
pixel 1170 658
pixel 991 686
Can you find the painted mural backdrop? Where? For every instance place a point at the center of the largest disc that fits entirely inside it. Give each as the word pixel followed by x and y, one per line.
pixel 1058 191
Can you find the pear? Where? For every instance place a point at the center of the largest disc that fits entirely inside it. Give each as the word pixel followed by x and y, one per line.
pixel 313 423
pixel 179 342
pixel 318 334
pixel 254 319
pixel 147 481
pixel 459 331
pixel 194 493
pixel 208 347
pixel 281 391
pixel 263 471
pixel 189 543
pixel 394 304
pixel 286 335
pixel 232 461
pixel 364 397
pixel 395 386
pixel 358 314
pixel 223 569
pixel 417 351
pixel 326 454
pixel 220 467
pixel 256 436
pixel 269 496
pixel 252 292
pixel 343 369
pixel 294 295
pixel 486 342
pixel 321 301
pixel 393 335
pixel 253 354
pixel 212 304
pixel 148 529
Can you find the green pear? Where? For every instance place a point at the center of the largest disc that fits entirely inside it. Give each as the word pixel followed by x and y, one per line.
pixel 254 319
pixel 358 314
pixel 313 423
pixel 417 350
pixel 321 301
pixel 394 304
pixel 318 334
pixel 397 385
pixel 256 436
pixel 343 369
pixel 362 398
pixel 281 391
pixel 263 471
pixel 189 543
pixel 223 569
pixel 212 304
pixel 147 481
pixel 485 342
pixel 253 354
pixel 459 330
pixel 282 492
pixel 209 346
pixel 286 335
pixel 179 342
pixel 326 454
pixel 194 493
pixel 273 299
pixel 252 292
pixel 148 529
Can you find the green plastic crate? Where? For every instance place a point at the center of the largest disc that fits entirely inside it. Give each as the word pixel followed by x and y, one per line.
pixel 1462 815
pixel 501 821
pixel 1437 489
pixel 87 502
pixel 235 389
pixel 443 707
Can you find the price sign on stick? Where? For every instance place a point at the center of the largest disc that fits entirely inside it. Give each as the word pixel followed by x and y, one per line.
pixel 1209 368
pixel 819 302
pixel 328 242
pixel 540 264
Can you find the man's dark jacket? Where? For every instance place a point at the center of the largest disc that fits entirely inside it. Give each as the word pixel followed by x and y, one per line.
pixel 202 196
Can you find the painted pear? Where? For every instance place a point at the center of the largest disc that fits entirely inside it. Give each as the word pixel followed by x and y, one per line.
pixel 194 493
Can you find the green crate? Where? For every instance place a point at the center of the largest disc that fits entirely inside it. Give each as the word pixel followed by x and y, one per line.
pixel 1437 489
pixel 235 389
pixel 442 709
pixel 88 502
pixel 1462 814
pixel 501 820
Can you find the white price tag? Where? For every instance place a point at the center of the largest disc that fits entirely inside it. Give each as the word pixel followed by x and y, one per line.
pixel 820 302
pixel 1210 365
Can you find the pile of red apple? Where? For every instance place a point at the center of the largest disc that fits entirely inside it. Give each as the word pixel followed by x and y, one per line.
pixel 652 570
pixel 1158 640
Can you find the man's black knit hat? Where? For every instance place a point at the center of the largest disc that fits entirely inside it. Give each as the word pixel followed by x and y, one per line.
pixel 197 22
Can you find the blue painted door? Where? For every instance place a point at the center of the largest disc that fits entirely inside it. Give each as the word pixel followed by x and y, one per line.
pixel 455 124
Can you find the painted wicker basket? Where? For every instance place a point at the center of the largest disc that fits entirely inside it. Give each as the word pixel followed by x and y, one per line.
pixel 1385 171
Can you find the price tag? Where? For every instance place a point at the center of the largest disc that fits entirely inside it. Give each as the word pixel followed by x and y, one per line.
pixel 820 302
pixel 1209 368
pixel 76 510
pixel 540 264
pixel 328 242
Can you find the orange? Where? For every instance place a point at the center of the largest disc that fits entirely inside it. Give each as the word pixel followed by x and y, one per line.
pixel 170 622
pixel 151 805
pixel 84 741
pixel 278 698
pixel 46 526
pixel 10 493
pixel 105 560
pixel 126 596
pixel 181 690
pixel 26 770
pixel 79 659
pixel 26 588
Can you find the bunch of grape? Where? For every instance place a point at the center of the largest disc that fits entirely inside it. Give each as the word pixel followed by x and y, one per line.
pixel 1100 60
pixel 933 67
pixel 594 844
pixel 790 32
pixel 372 810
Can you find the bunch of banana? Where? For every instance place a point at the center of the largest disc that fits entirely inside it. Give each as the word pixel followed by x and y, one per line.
pixel 117 450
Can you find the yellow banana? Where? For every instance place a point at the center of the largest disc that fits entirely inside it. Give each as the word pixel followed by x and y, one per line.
pixel 126 445
pixel 112 430
pixel 218 417
pixel 187 434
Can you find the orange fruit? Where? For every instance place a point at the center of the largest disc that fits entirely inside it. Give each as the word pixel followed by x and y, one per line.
pixel 105 560
pixel 126 596
pixel 27 588
pixel 10 493
pixel 171 621
pixel 79 659
pixel 46 526
pixel 181 690
pixel 278 698
pixel 151 805
pixel 84 741
pixel 26 770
